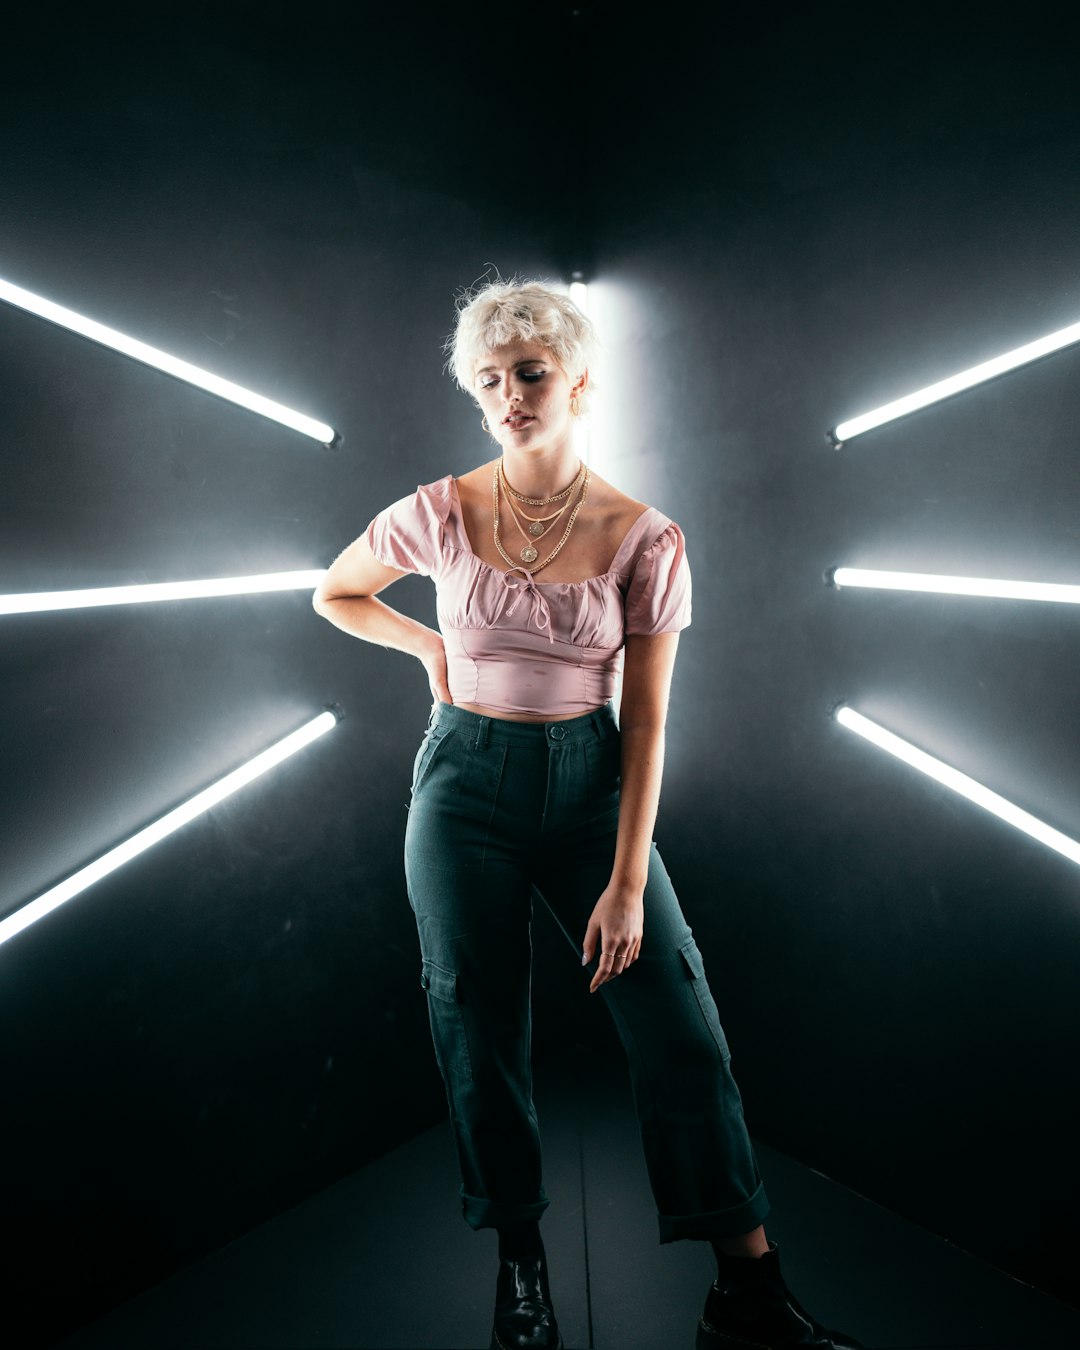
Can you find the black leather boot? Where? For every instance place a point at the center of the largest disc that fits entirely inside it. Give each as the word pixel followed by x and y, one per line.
pixel 750 1308
pixel 524 1319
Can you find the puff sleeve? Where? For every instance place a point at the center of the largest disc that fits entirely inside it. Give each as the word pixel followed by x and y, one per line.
pixel 408 535
pixel 658 594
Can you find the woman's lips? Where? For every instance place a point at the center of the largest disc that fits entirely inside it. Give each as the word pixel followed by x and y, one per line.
pixel 517 422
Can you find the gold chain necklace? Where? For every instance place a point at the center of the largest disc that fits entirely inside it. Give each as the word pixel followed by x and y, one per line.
pixel 540 501
pixel 538 525
pixel 529 554
pixel 536 529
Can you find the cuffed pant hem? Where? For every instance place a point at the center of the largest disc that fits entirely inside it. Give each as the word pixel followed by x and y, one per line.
pixel 719 1223
pixel 499 1213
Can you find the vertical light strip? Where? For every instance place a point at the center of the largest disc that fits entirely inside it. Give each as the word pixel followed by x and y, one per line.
pixel 160 829
pixel 934 584
pixel 954 384
pixel 34 602
pixel 959 782
pixel 590 453
pixel 171 365
pixel 579 294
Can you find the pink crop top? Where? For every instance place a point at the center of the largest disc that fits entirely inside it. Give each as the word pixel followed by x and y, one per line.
pixel 521 645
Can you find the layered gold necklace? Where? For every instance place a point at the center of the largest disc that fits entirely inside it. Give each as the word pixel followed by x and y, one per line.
pixel 538 526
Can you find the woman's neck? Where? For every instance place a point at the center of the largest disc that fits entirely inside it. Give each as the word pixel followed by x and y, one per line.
pixel 542 473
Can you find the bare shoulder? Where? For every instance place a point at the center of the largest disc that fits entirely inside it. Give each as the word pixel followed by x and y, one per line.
pixel 474 487
pixel 615 508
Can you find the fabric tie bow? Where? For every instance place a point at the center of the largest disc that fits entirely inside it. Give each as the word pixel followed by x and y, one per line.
pixel 540 613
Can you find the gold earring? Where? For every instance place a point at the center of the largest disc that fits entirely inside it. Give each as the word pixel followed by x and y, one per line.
pixel 575 407
pixel 484 424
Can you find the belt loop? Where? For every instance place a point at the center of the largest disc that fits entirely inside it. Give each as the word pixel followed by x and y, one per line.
pixel 598 726
pixel 482 733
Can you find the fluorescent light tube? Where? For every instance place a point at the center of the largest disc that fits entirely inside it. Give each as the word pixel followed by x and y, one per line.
pixel 579 294
pixel 171 365
pixel 959 782
pixel 944 585
pixel 33 602
pixel 160 829
pixel 933 393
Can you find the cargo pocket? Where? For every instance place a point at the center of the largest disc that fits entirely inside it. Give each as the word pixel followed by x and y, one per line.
pixel 696 970
pixel 447 1023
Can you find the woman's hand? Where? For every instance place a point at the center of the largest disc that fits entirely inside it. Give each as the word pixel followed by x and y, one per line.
pixel 434 662
pixel 617 923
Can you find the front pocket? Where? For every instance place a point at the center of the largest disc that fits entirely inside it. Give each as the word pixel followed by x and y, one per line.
pixel 695 968
pixel 447 1022
pixel 434 740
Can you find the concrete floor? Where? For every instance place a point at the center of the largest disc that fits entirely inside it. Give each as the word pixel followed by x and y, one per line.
pixel 382 1260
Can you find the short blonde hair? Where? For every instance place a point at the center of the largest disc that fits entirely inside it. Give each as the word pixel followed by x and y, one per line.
pixel 500 312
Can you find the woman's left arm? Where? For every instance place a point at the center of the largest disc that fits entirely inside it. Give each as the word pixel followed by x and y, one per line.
pixel 618 919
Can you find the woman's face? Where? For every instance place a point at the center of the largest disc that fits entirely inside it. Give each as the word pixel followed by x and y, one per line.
pixel 525 395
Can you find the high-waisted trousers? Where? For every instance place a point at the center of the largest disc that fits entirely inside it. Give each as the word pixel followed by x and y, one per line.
pixel 499 810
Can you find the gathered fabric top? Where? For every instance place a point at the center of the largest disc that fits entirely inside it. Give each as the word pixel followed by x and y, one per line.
pixel 518 644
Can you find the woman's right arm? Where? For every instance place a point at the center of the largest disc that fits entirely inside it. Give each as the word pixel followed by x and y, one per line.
pixel 346 596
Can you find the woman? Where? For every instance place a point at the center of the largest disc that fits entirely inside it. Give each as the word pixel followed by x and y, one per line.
pixel 547 578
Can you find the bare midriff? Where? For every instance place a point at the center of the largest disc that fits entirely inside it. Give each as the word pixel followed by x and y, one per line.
pixel 504 716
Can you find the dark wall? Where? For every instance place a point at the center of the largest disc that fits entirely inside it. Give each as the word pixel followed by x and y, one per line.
pixel 290 197
pixel 798 221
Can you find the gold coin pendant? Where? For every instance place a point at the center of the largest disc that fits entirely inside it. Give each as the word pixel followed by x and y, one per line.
pixel 536 529
pixel 529 554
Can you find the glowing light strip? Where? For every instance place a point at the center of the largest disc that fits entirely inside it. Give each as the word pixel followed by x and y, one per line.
pixel 933 393
pixel 959 782
pixel 171 365
pixel 944 585
pixel 33 602
pixel 579 294
pixel 152 834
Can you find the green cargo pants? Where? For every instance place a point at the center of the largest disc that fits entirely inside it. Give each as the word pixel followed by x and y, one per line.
pixel 500 808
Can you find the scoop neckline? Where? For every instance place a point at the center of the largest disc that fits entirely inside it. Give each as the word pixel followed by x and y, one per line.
pixel 508 571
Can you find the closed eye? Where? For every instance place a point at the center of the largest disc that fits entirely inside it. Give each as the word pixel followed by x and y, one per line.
pixel 532 376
